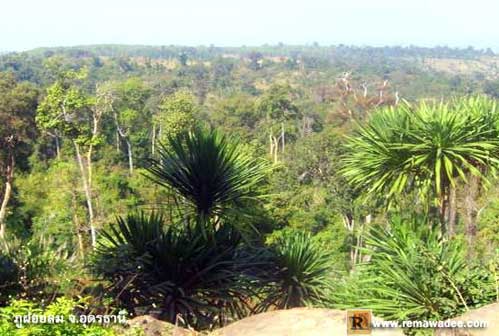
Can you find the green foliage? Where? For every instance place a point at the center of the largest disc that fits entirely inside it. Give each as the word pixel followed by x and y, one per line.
pixel 428 146
pixel 235 114
pixel 175 268
pixel 208 170
pixel 17 105
pixel 142 96
pixel 65 108
pixel 301 272
pixel 50 199
pixel 62 307
pixel 33 269
pixel 178 113
pixel 131 115
pixel 415 274
pixel 277 104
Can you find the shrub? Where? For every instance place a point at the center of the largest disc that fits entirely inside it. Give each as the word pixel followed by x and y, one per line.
pixel 197 280
pixel 415 274
pixel 300 272
pixel 32 269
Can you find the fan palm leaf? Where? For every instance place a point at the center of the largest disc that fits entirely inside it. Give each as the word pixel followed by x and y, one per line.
pixel 208 170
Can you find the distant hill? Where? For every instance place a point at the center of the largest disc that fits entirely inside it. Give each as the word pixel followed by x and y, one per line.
pixel 114 50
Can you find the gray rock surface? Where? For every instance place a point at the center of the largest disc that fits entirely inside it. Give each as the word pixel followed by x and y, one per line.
pixel 154 327
pixel 489 313
pixel 295 322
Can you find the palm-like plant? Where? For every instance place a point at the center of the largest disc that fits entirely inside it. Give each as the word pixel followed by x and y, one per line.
pixel 192 280
pixel 202 279
pixel 300 272
pixel 372 163
pixel 429 148
pixel 415 273
pixel 209 170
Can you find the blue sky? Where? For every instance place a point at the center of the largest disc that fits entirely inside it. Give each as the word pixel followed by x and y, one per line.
pixel 29 24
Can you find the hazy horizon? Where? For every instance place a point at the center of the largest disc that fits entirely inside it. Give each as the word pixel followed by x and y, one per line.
pixel 247 46
pixel 27 25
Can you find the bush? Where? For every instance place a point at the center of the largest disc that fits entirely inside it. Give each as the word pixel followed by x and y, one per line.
pixel 32 269
pixel 189 277
pixel 300 272
pixel 415 274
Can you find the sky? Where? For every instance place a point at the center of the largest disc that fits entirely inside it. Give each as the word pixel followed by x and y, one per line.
pixel 47 23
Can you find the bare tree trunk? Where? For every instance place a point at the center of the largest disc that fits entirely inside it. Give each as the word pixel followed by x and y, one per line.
pixel 117 142
pixel 451 221
pixel 153 140
pixel 57 146
pixel 471 207
pixel 7 193
pixel 271 145
pixel 443 213
pixel 88 195
pixel 282 136
pixel 128 144
pixel 367 257
pixel 349 223
pixel 276 148
pixel 130 157
pixel 77 227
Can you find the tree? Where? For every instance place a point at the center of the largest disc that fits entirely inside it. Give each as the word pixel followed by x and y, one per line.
pixel 177 114
pixel 276 106
pixel 207 170
pixel 18 103
pixel 194 265
pixel 415 273
pixel 429 148
pixel 74 114
pixel 485 110
pixel 131 118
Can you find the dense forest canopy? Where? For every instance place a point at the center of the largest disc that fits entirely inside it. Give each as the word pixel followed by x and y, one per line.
pixel 137 175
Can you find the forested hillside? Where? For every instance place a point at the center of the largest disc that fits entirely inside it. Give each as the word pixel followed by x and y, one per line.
pixel 211 183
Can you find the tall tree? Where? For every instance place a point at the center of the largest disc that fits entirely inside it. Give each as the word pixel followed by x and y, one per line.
pixel 276 107
pixel 76 115
pixel 17 130
pixel 430 148
pixel 177 114
pixel 132 119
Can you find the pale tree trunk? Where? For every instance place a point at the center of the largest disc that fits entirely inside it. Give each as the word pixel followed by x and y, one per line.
pixel 76 222
pixel 153 140
pixel 276 148
pixel 471 208
pixel 443 211
pixel 130 156
pixel 117 142
pixel 57 146
pixel 87 175
pixel 128 143
pixel 88 195
pixel 271 145
pixel 282 136
pixel 366 258
pixel 89 184
pixel 9 178
pixel 451 220
pixel 349 223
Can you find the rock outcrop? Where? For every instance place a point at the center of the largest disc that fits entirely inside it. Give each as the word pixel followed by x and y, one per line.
pixel 154 327
pixel 295 322
pixel 488 313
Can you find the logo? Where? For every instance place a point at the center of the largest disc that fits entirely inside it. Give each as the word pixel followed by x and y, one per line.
pixel 359 322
